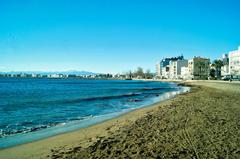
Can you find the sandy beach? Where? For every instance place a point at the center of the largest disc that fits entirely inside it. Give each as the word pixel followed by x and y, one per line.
pixel 201 124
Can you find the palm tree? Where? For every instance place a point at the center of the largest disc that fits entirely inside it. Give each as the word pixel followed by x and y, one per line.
pixel 218 64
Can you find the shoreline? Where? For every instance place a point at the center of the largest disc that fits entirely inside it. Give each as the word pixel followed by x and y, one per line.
pixel 103 126
pixel 195 105
pixel 13 141
pixel 201 124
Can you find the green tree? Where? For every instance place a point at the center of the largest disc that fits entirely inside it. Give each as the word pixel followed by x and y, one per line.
pixel 139 72
pixel 129 74
pixel 148 74
pixel 212 73
pixel 218 64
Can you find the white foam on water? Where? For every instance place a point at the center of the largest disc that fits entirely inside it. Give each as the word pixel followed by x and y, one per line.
pixel 22 138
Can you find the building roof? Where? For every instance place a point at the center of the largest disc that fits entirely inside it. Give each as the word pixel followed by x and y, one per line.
pixel 174 58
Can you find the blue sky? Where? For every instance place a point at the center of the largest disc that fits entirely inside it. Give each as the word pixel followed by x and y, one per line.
pixel 113 35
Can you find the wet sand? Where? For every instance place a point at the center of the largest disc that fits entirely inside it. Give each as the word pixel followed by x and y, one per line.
pixel 201 124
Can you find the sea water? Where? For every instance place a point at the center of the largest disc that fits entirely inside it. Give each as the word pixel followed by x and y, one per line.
pixel 33 109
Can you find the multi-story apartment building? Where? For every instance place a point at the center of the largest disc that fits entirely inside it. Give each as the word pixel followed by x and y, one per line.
pixel 199 68
pixel 158 70
pixel 225 67
pixel 162 68
pixel 185 75
pixel 175 68
pixel 234 62
pixel 165 72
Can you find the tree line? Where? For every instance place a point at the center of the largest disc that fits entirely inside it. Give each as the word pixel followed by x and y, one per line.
pixel 140 73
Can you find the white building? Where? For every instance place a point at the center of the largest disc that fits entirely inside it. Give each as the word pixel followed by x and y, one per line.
pixel 165 72
pixel 54 76
pixel 162 68
pixel 225 67
pixel 158 70
pixel 234 62
pixel 175 68
pixel 185 73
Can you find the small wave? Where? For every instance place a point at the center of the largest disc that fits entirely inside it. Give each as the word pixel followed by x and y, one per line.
pixel 71 101
pixel 10 132
pixel 144 89
pixel 101 98
pixel 7 132
pixel 80 118
pixel 159 88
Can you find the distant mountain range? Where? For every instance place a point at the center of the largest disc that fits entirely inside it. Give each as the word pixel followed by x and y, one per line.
pixel 54 72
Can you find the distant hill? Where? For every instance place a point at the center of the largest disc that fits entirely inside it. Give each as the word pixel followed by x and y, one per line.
pixel 54 72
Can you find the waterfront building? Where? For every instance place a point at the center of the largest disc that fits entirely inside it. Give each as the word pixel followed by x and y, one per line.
pixel 54 76
pixel 199 68
pixel 158 70
pixel 234 62
pixel 165 72
pixel 225 67
pixel 175 68
pixel 185 75
pixel 162 68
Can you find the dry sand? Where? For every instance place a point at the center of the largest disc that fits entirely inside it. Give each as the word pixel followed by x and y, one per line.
pixel 200 124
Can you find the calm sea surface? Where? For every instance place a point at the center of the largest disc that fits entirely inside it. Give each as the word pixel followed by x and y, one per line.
pixel 31 109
